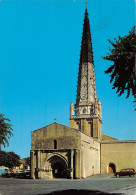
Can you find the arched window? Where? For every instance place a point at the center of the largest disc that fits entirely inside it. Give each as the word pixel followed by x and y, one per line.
pixel 55 144
pixel 84 110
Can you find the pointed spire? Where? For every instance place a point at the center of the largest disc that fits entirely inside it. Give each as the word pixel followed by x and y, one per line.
pixel 86 86
pixel 86 54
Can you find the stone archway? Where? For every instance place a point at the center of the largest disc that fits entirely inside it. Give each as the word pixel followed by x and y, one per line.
pixel 111 168
pixel 58 165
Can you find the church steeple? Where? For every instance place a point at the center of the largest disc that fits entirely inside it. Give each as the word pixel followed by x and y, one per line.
pixel 86 114
pixel 86 54
pixel 86 86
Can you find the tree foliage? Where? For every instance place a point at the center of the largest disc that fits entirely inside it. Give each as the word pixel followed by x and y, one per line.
pixel 9 159
pixel 122 72
pixel 27 161
pixel 5 130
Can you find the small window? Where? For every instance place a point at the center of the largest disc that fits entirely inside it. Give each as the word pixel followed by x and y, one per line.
pixel 55 144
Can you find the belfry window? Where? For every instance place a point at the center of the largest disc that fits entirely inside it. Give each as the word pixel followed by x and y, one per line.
pixel 55 144
pixel 84 110
pixel 92 109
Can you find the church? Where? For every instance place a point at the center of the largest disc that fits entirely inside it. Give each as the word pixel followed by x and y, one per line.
pixel 81 149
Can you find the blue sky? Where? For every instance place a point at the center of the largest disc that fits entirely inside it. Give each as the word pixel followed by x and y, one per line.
pixel 39 55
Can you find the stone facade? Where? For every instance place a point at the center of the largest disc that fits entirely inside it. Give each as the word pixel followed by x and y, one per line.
pixel 66 146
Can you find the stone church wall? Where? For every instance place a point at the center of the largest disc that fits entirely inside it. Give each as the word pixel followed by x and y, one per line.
pixel 120 153
pixel 90 152
pixel 45 152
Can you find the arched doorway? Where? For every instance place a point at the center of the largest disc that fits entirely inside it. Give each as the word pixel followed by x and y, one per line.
pixel 58 166
pixel 112 168
pixel 58 170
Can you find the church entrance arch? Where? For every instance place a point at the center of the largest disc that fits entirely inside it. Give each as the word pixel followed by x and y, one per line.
pixel 58 166
pixel 112 168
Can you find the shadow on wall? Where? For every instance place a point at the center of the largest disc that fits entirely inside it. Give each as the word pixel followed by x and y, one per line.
pixel 80 192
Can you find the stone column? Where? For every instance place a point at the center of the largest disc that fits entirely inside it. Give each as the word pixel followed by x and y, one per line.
pixel 71 110
pixel 82 165
pixel 82 125
pixel 100 108
pixel 96 109
pixel 32 164
pixel 77 164
pixel 51 174
pixel 71 164
pixel 38 163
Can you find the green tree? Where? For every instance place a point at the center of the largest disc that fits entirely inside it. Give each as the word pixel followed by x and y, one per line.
pixel 9 159
pixel 27 161
pixel 3 155
pixel 5 130
pixel 123 70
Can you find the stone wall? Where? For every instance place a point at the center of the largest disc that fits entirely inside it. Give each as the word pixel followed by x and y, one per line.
pixel 121 153
pixel 90 152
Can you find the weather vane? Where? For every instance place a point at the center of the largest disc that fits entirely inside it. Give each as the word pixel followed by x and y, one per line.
pixel 86 3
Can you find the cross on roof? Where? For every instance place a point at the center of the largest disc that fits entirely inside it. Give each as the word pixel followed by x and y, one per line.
pixel 86 3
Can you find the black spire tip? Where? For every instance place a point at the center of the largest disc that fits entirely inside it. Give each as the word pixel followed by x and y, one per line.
pixel 86 54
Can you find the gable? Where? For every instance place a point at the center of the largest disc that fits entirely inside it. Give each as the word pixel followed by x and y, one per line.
pixel 66 137
pixel 107 138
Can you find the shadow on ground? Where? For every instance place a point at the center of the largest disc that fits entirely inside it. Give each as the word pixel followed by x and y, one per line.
pixel 80 192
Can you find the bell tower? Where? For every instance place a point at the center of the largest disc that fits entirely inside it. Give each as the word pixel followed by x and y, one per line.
pixel 86 114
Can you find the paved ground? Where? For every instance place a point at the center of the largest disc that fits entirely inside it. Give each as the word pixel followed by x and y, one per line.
pixel 105 183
